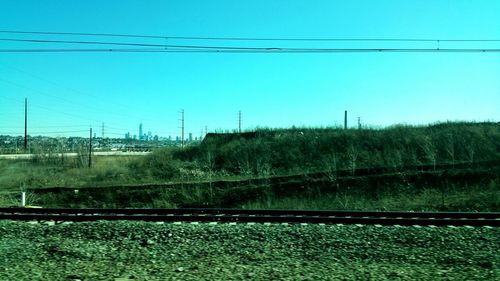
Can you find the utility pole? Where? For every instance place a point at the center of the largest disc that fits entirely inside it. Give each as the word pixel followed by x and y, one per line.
pixel 239 121
pixel 345 120
pixel 90 148
pixel 182 127
pixel 25 125
pixel 359 123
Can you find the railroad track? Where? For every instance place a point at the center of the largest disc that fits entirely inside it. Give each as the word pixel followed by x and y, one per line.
pixel 260 216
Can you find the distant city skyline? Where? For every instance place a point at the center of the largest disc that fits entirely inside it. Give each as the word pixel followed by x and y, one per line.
pixel 69 92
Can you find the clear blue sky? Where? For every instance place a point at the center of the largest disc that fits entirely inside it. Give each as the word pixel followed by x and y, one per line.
pixel 71 91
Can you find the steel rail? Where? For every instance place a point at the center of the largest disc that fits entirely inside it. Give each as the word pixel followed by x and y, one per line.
pixel 274 216
pixel 275 212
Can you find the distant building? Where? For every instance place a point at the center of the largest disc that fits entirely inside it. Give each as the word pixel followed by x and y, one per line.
pixel 140 132
pixel 190 137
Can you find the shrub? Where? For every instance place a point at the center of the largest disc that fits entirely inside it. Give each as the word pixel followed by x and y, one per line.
pixel 160 165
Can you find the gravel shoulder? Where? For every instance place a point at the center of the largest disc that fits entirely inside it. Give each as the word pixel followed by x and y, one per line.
pixel 151 251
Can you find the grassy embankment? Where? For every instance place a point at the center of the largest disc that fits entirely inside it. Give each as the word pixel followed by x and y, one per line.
pixel 330 167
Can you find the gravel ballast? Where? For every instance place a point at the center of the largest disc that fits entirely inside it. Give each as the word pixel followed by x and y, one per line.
pixel 169 251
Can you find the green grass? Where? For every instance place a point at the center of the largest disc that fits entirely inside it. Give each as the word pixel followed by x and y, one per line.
pixel 266 153
pixel 473 198
pixel 115 171
pixel 106 170
pixel 245 170
pixel 483 197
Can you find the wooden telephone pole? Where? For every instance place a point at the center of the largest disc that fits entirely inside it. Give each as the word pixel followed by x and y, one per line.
pixel 90 149
pixel 239 121
pixel 345 120
pixel 26 125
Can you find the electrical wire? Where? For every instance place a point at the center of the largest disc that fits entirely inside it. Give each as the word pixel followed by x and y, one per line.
pixel 48 132
pixel 204 48
pixel 261 51
pixel 177 48
pixel 45 127
pixel 59 132
pixel 114 103
pixel 68 101
pixel 244 38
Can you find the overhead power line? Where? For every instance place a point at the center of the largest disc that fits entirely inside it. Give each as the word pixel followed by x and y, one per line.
pixel 66 88
pixel 45 127
pixel 261 51
pixel 171 48
pixel 45 132
pixel 203 48
pixel 244 38
pixel 69 101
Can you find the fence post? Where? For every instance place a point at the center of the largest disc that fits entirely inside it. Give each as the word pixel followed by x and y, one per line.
pixel 23 198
